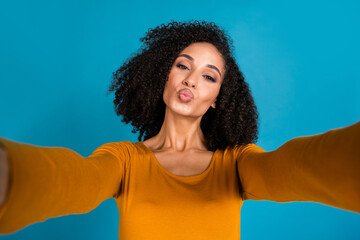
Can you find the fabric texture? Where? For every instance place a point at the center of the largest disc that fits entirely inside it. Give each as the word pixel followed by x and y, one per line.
pixel 154 203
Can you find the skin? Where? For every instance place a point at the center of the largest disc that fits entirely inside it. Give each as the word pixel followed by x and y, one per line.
pixel 180 146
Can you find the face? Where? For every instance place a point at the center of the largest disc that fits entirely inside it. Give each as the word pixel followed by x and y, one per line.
pixel 194 80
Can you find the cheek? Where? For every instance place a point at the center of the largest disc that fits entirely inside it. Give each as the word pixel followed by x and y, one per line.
pixel 167 92
pixel 171 85
pixel 211 94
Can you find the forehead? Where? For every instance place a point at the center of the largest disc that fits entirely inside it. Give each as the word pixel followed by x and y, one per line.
pixel 204 53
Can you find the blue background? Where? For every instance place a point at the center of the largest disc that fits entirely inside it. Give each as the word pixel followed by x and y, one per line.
pixel 301 59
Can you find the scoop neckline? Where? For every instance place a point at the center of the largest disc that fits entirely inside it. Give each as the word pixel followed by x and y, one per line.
pixel 153 156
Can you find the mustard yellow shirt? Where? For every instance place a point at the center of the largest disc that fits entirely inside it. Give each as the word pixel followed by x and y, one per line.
pixel 155 204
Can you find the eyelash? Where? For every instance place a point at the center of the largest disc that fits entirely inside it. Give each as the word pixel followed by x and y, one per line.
pixel 210 78
pixel 205 76
pixel 181 66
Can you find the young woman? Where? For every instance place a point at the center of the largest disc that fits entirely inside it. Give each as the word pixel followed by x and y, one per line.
pixel 195 162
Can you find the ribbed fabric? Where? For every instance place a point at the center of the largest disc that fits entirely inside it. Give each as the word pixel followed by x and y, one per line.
pixel 155 204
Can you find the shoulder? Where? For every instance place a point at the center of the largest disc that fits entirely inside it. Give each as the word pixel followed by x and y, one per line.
pixel 125 148
pixel 243 150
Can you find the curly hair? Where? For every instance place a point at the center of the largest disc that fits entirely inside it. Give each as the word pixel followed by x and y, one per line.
pixel 139 85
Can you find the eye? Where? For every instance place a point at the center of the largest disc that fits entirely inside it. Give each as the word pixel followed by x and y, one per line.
pixel 181 66
pixel 209 78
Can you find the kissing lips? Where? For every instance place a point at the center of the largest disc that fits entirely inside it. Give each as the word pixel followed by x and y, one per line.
pixel 185 95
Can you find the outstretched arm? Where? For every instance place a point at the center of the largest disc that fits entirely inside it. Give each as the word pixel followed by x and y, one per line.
pixel 52 181
pixel 4 174
pixel 323 168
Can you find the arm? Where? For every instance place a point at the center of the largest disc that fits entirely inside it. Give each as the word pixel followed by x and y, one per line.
pixel 52 181
pixel 323 168
pixel 4 174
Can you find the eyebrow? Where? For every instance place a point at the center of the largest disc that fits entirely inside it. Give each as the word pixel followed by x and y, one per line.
pixel 208 65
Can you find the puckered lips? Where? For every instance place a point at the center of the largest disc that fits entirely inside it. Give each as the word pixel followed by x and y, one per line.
pixel 185 95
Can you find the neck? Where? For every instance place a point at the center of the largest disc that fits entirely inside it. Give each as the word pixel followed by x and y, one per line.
pixel 180 133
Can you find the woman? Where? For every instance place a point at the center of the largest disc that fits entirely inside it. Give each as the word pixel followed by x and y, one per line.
pixel 198 162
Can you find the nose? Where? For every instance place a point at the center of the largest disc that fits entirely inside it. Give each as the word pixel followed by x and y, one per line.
pixel 190 81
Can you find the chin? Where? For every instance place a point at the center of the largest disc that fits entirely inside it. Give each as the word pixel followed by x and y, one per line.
pixel 184 111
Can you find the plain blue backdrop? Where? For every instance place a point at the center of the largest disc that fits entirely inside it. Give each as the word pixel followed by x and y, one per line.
pixel 300 58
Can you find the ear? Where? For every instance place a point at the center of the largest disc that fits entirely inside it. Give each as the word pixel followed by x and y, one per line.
pixel 213 105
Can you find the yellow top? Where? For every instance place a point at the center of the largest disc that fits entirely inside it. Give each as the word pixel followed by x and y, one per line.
pixel 156 204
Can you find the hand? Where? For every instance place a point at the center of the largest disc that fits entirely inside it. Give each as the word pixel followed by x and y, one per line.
pixel 4 174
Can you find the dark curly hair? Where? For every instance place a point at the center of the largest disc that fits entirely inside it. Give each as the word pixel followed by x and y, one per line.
pixel 139 84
